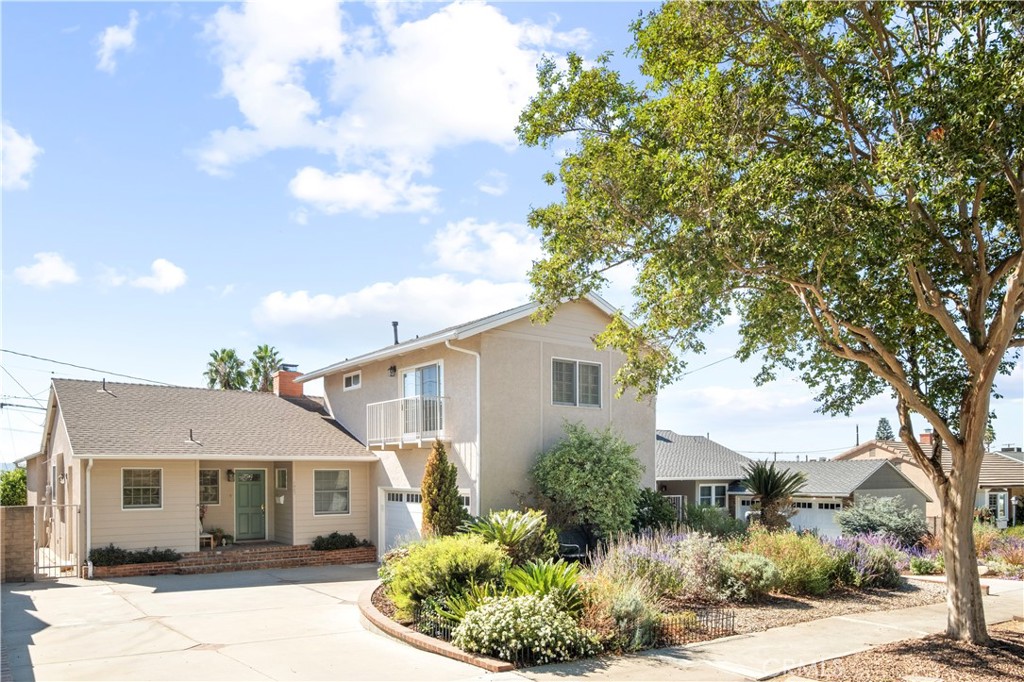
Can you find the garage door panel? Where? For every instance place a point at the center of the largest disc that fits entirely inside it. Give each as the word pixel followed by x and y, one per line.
pixel 403 518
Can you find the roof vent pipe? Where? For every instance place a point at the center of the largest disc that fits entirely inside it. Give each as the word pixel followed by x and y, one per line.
pixel 394 326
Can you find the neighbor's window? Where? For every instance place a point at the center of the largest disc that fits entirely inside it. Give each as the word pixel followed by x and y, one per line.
pixel 803 505
pixel 575 383
pixel 209 486
pixel 141 488
pixel 353 380
pixel 711 496
pixel 330 491
pixel 281 482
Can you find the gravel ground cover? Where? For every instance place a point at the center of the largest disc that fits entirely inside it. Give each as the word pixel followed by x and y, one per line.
pixel 930 658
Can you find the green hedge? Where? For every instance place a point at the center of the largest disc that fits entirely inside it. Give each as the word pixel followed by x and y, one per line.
pixel 116 556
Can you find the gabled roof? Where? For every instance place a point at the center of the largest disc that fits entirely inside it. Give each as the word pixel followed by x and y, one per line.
pixel 831 477
pixel 459 331
pixel 998 469
pixel 114 420
pixel 679 457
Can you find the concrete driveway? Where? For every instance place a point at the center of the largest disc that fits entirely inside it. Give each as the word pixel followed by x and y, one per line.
pixel 290 624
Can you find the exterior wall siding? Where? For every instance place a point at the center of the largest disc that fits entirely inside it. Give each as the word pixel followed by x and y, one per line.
pixel 307 525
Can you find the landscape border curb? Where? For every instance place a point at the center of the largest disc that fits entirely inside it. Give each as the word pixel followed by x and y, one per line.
pixel 374 620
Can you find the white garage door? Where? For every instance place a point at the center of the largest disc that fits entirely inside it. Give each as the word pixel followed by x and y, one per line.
pixel 403 517
pixel 817 514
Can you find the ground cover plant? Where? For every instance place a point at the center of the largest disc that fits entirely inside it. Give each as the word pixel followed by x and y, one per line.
pixel 112 555
pixel 324 543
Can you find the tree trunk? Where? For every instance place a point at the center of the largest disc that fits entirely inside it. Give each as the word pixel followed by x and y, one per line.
pixel 965 619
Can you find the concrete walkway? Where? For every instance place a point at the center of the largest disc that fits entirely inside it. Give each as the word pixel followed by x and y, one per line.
pixel 763 655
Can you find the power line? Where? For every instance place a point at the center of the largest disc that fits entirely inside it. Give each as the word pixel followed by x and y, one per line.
pixel 23 407
pixel 90 369
pixel 22 386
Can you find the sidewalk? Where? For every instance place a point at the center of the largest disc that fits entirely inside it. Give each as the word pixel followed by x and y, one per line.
pixel 762 655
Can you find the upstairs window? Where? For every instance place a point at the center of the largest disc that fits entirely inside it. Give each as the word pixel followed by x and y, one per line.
pixel 575 383
pixel 353 381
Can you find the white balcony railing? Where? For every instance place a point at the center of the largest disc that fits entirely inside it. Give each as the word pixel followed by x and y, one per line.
pixel 406 421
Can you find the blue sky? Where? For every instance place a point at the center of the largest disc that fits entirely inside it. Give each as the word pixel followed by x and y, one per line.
pixel 184 177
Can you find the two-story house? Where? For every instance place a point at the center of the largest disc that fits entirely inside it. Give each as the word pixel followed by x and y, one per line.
pixel 496 391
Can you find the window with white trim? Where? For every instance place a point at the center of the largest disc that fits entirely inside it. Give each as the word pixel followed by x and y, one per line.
pixel 353 381
pixel 803 505
pixel 330 491
pixel 281 479
pixel 711 495
pixel 575 383
pixel 141 488
pixel 209 486
pixel 830 505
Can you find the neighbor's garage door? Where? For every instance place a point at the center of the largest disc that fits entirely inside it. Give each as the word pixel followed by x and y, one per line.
pixel 817 514
pixel 403 517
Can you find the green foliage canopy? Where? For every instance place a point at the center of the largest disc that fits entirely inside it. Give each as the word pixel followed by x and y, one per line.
pixel 442 507
pixel 13 489
pixel 774 488
pixel 590 479
pixel 225 370
pixel 264 362
pixel 884 430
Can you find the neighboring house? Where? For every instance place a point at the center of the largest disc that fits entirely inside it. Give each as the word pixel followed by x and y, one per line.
pixel 133 464
pixel 696 470
pixel 496 391
pixel 1002 476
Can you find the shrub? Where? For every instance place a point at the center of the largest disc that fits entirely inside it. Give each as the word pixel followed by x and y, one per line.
pixel 526 628
pixel 390 559
pixel 443 512
pixel 869 560
pixel 986 537
pixel 621 613
pixel 699 557
pixel 805 565
pixel 13 487
pixel 713 521
pixel 873 515
pixel 558 579
pixel 590 479
pixel 1007 557
pixel 442 566
pixel 116 556
pixel 648 559
pixel 653 512
pixel 922 565
pixel 748 577
pixel 524 535
pixel 337 541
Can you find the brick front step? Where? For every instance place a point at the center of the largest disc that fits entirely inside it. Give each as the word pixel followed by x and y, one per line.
pixel 235 559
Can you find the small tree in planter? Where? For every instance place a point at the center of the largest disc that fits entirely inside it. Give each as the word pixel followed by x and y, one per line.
pixel 442 507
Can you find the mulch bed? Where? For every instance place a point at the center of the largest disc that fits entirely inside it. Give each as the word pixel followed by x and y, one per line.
pixel 930 657
pixel 383 604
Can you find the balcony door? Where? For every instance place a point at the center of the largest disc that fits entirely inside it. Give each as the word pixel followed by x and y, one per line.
pixel 421 388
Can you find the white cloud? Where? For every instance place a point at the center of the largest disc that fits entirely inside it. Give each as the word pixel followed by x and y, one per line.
pixel 433 302
pixel 364 192
pixel 49 269
pixel 501 251
pixel 399 90
pixel 111 277
pixel 165 277
pixel 116 39
pixel 494 183
pixel 17 157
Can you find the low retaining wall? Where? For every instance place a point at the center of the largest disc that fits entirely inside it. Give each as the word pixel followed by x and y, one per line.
pixel 241 559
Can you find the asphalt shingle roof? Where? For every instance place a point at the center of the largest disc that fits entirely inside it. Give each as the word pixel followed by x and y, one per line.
pixel 137 420
pixel 833 477
pixel 687 457
pixel 998 469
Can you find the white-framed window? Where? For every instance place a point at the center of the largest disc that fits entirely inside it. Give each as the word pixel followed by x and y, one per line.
pixel 575 383
pixel 803 505
pixel 330 491
pixel 417 498
pixel 281 479
pixel 711 495
pixel 395 497
pixel 830 505
pixel 209 486
pixel 353 381
pixel 141 488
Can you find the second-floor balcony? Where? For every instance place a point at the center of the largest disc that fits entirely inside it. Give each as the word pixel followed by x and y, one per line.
pixel 406 422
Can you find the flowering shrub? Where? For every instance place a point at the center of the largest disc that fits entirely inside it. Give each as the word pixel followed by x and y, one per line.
pixel 805 565
pixel 713 521
pixel 699 558
pixel 888 515
pixel 986 537
pixel 748 577
pixel 869 560
pixel 621 613
pixel 1007 557
pixel 647 558
pixel 441 566
pixel 527 628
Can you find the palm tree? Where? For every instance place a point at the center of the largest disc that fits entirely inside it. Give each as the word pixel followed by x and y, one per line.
pixel 265 361
pixel 225 370
pixel 774 488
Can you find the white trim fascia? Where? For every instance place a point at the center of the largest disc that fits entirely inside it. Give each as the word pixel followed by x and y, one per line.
pixel 231 458
pixel 456 333
pixel 727 479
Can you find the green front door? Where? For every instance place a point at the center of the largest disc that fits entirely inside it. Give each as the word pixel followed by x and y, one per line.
pixel 250 505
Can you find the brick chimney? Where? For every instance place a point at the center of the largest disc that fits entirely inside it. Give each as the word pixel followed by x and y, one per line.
pixel 284 382
pixel 925 439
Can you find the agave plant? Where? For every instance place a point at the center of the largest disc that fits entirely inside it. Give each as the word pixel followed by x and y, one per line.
pixel 774 488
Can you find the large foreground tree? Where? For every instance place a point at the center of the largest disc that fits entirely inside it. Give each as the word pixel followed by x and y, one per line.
pixel 846 176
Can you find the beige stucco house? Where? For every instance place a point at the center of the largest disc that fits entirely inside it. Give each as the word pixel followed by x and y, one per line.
pixel 1002 477
pixel 137 465
pixel 496 390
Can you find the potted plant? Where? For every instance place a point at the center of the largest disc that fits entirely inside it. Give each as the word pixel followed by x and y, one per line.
pixel 229 539
pixel 218 535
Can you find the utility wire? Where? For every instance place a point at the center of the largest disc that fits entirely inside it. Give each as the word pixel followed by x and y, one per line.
pixel 90 369
pixel 22 386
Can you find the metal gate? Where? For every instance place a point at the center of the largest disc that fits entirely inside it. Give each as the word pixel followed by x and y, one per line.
pixel 56 527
